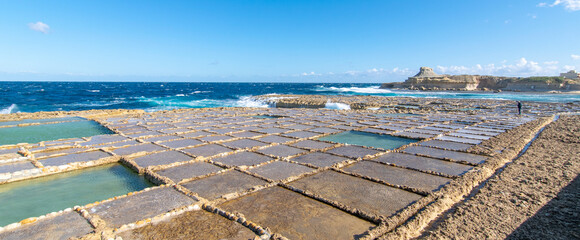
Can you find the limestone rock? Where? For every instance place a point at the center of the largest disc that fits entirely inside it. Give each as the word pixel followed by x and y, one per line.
pixel 426 72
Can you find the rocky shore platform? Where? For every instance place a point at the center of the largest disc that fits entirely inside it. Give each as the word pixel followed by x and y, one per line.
pixel 474 169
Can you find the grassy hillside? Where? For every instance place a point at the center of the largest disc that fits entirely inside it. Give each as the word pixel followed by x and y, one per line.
pixel 550 80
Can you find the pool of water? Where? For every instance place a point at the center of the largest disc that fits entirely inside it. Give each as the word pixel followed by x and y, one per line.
pixel 48 132
pixel 36 197
pixel 366 139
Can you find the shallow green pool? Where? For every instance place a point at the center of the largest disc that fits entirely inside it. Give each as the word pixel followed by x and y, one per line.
pixel 368 139
pixel 36 197
pixel 49 132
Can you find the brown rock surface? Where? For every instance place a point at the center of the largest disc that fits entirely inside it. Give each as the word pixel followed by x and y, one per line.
pixel 192 225
pixel 535 197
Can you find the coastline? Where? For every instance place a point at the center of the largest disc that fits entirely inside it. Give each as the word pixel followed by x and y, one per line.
pixel 53 96
pixel 487 91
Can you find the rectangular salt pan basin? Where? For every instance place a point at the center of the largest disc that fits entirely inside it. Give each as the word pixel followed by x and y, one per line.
pixel 366 139
pixel 49 132
pixel 36 197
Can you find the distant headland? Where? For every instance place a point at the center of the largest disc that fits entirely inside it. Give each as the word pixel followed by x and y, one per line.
pixel 428 80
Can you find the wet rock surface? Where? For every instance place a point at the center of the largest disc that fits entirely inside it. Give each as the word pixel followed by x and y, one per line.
pixel 65 226
pixel 368 196
pixel 140 206
pixel 296 216
pixel 192 225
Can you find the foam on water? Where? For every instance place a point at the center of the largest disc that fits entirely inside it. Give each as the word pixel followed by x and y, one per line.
pixel 170 103
pixel 9 109
pixel 337 106
pixel 95 104
pixel 248 101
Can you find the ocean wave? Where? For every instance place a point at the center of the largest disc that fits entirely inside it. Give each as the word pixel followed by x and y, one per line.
pixel 367 90
pixel 93 104
pixel 197 92
pixel 10 109
pixel 94 91
pixel 248 101
pixel 337 106
pixel 167 103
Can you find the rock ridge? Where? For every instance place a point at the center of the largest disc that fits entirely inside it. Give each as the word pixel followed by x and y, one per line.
pixel 427 79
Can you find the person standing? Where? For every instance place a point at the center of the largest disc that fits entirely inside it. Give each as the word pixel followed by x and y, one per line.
pixel 519 108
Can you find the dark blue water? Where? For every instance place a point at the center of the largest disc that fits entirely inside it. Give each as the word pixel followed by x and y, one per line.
pixel 67 96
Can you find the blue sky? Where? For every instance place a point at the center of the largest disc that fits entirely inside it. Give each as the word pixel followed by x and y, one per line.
pixel 303 41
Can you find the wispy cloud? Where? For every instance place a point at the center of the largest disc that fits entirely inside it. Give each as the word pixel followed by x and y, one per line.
pixel 310 74
pixel 369 75
pixel 39 27
pixel 520 68
pixel 571 5
pixel 575 57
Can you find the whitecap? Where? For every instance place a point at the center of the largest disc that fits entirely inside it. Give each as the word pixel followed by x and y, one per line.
pixel 248 101
pixel 94 91
pixel 94 104
pixel 197 92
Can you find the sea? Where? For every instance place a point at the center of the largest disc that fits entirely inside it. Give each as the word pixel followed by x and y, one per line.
pixel 156 96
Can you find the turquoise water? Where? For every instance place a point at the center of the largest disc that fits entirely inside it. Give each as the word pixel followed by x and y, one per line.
pixel 36 197
pixel 366 139
pixel 49 132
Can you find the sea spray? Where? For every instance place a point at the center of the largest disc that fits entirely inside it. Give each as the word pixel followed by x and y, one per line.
pixel 10 109
pixel 337 106
pixel 249 101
